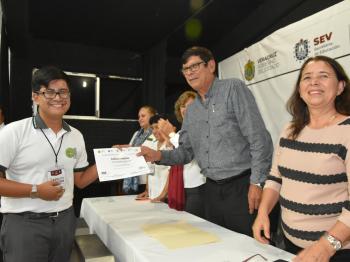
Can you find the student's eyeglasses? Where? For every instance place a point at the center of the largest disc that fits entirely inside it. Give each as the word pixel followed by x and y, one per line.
pixel 192 68
pixel 51 93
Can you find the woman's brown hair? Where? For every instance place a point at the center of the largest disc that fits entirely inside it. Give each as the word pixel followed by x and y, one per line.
pixel 181 101
pixel 298 108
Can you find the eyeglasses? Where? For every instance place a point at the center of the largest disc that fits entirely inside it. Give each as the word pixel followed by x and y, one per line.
pixel 51 93
pixel 192 68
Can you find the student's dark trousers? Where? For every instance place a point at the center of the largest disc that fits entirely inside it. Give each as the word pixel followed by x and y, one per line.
pixel 37 237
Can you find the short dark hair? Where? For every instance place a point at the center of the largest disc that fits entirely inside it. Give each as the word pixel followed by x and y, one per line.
pixel 154 119
pixel 44 75
pixel 205 54
pixel 2 109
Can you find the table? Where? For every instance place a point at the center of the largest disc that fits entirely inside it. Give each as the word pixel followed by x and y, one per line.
pixel 118 221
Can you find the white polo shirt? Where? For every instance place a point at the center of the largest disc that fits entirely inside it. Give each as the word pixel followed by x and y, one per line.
pixel 192 173
pixel 26 156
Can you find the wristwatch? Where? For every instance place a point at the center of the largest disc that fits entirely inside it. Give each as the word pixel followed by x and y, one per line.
pixel 335 243
pixel 34 192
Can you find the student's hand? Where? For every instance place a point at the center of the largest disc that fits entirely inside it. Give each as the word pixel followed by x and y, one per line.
pixel 50 190
pixel 142 196
pixel 121 146
pixel 254 197
pixel 166 140
pixel 166 127
pixel 158 199
pixel 320 251
pixel 149 154
pixel 262 226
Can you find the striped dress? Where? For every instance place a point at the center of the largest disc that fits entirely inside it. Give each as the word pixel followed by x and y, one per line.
pixel 311 174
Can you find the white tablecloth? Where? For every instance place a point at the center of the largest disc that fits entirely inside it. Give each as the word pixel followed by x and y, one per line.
pixel 118 221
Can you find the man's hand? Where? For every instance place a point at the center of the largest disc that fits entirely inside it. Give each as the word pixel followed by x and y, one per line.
pixel 254 197
pixel 50 190
pixel 149 154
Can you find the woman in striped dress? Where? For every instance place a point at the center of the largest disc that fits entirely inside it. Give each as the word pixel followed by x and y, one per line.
pixel 311 168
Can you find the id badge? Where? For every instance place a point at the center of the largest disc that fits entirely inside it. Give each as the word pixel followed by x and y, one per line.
pixel 57 174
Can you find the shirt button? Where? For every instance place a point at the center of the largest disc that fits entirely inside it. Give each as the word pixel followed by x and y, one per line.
pixel 207 152
pixel 207 122
pixel 207 136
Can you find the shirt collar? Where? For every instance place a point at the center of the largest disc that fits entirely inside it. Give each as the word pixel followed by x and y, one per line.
pixel 38 122
pixel 212 89
pixel 210 92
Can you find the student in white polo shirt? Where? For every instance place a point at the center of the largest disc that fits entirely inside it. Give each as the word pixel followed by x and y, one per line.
pixel 42 157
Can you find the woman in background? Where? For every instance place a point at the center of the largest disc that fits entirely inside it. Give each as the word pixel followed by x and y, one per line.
pixel 311 168
pixel 193 180
pixel 135 185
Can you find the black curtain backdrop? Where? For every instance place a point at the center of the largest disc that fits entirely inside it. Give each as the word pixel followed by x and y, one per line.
pixel 120 99
pixel 154 77
pixel 4 72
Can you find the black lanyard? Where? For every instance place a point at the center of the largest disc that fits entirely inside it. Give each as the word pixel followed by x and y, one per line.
pixel 58 151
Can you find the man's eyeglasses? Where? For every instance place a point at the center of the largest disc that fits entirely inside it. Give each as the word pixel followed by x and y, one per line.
pixel 51 93
pixel 192 68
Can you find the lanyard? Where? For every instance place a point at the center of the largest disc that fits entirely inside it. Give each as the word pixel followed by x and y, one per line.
pixel 58 151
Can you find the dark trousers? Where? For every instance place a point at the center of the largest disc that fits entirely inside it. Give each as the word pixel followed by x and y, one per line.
pixel 31 238
pixel 226 204
pixel 194 202
pixel 339 256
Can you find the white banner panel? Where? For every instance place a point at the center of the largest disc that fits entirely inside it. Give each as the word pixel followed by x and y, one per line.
pixel 270 67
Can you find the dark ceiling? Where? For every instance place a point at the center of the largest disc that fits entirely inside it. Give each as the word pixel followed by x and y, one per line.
pixel 137 25
pixel 133 25
pixel 132 38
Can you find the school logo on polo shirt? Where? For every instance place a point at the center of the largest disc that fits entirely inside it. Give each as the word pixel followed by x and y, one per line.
pixel 71 152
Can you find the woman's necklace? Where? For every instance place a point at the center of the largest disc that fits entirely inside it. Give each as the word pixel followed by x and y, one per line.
pixel 328 122
pixel 331 119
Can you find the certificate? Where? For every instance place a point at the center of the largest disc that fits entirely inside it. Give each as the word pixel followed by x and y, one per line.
pixel 114 163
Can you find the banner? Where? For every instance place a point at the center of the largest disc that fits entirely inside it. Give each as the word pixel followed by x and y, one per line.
pixel 271 66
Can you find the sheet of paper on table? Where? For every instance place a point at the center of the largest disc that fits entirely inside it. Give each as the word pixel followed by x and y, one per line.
pixel 114 163
pixel 179 234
